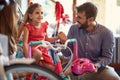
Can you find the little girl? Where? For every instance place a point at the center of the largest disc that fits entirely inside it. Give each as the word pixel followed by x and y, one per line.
pixel 35 30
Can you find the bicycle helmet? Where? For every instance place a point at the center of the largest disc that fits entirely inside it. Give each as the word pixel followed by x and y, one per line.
pixel 81 65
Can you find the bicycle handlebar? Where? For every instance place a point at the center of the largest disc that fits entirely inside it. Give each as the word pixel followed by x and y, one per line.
pixel 47 44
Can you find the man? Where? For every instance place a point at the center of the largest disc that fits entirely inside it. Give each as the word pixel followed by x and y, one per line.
pixel 95 42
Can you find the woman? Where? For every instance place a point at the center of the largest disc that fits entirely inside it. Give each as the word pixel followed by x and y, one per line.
pixel 8 23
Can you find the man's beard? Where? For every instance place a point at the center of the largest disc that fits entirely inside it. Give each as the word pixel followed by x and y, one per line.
pixel 83 26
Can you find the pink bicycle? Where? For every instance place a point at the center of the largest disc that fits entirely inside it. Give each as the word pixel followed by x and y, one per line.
pixel 56 48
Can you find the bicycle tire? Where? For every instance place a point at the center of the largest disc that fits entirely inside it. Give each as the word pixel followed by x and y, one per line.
pixel 33 68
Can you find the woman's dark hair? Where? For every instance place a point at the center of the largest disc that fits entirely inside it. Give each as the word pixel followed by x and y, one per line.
pixel 3 3
pixel 89 8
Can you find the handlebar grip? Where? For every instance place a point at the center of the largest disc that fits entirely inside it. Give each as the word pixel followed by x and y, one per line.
pixel 72 40
pixel 34 43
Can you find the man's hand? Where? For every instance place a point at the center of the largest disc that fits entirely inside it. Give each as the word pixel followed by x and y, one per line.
pixel 62 37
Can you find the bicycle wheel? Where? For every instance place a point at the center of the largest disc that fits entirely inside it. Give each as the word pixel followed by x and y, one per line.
pixel 51 75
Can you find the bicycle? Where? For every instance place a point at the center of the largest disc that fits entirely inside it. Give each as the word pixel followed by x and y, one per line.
pixel 57 48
